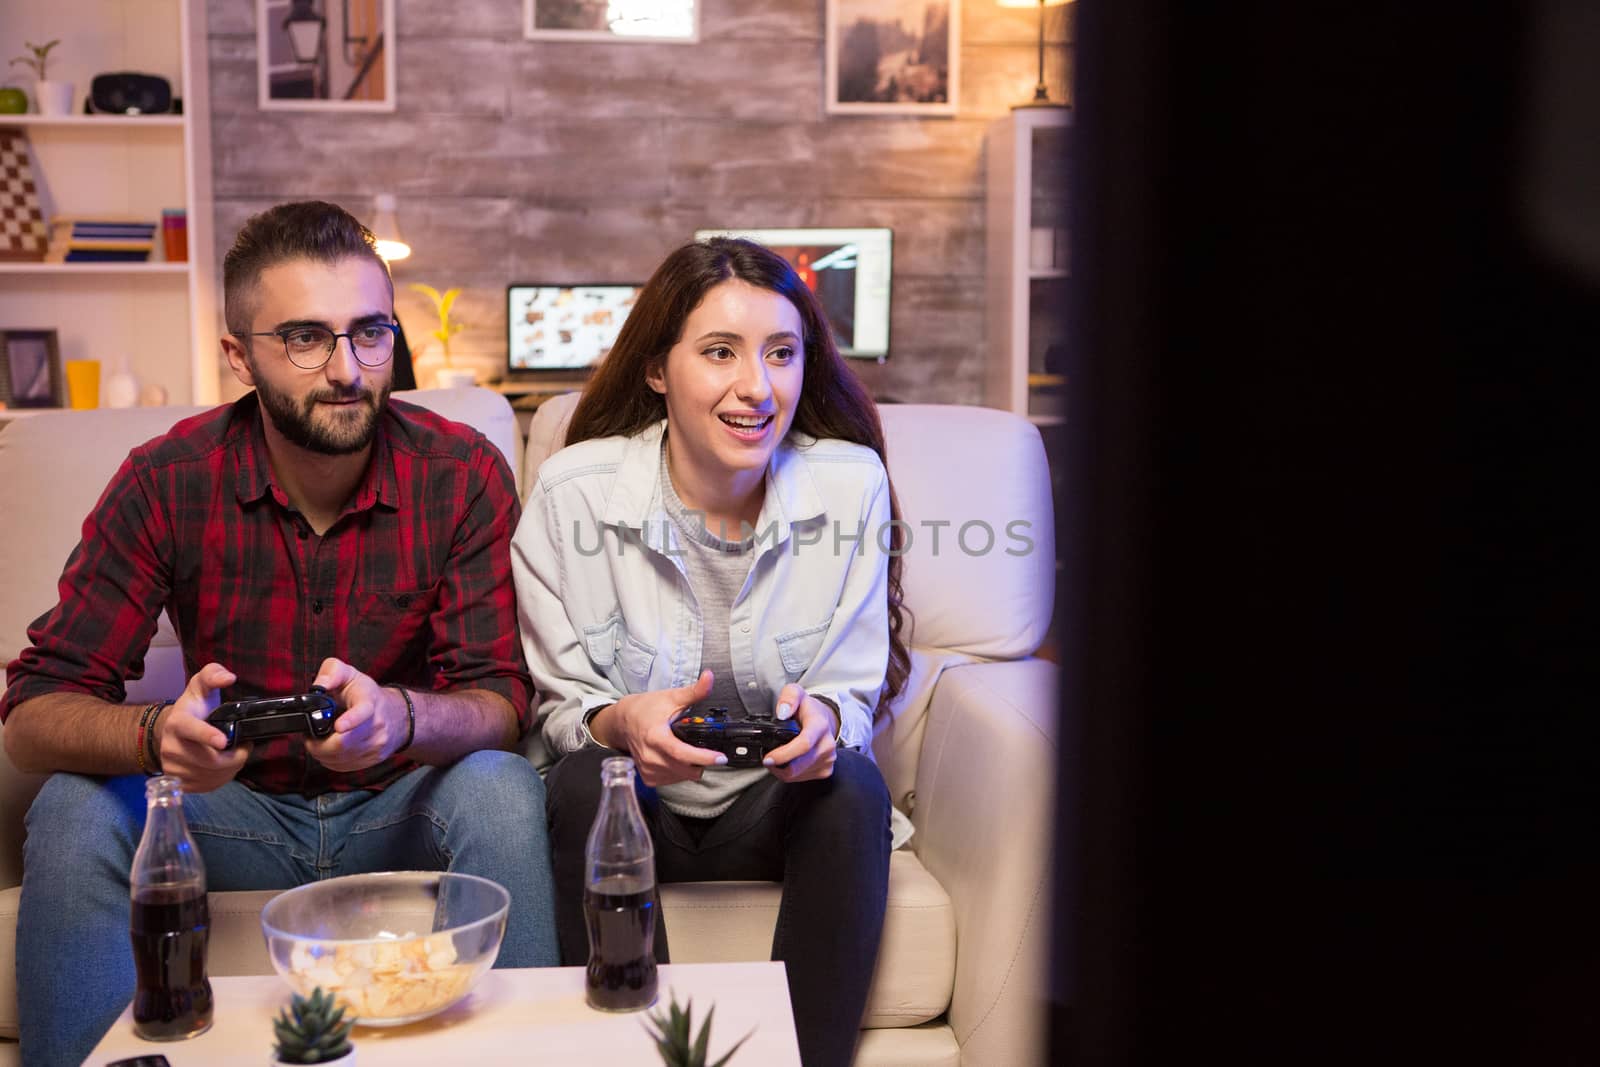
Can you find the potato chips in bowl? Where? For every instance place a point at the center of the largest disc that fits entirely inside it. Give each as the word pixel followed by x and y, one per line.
pixel 392 947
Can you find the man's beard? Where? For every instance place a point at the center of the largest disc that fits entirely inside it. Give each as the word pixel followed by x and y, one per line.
pixel 340 432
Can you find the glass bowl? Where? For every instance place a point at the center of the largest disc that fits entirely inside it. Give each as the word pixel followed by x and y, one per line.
pixel 393 947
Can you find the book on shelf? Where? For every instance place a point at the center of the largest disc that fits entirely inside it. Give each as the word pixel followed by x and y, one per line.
pixel 75 240
pixel 104 227
pixel 87 255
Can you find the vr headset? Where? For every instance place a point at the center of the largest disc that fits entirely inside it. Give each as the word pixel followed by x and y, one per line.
pixel 127 93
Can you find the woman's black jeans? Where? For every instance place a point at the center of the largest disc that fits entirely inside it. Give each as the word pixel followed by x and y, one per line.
pixel 826 841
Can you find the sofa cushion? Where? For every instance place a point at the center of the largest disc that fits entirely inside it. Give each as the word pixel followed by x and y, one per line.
pixel 966 589
pixel 64 482
pixel 717 922
pixel 54 466
pixel 711 922
pixel 987 585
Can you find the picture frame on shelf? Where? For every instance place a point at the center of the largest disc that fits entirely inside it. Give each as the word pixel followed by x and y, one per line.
pixel 22 232
pixel 656 21
pixel 325 55
pixel 30 369
pixel 892 57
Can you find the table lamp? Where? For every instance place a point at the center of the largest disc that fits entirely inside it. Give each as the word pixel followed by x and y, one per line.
pixel 391 246
pixel 1041 95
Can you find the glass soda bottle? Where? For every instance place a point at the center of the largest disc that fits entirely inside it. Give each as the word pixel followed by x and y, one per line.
pixel 619 896
pixel 170 922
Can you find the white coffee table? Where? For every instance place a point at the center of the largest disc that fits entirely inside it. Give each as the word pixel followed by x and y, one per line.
pixel 521 1017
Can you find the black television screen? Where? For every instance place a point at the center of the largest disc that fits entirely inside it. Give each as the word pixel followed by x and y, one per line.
pixel 563 327
pixel 848 269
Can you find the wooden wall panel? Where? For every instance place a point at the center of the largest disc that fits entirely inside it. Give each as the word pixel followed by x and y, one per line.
pixel 518 160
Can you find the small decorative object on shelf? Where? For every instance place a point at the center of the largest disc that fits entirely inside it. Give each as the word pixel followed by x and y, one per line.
pixel 13 101
pixel 22 232
pixel 52 98
pixel 672 1036
pixel 313 1030
pixel 121 388
pixel 448 375
pixel 28 375
pixel 175 235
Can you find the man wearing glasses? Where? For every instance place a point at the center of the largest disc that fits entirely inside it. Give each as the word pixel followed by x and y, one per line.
pixel 314 532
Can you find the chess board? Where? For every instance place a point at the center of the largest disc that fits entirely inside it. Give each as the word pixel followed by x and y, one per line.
pixel 22 232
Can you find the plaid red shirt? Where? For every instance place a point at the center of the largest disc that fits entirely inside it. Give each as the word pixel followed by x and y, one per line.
pixel 411 585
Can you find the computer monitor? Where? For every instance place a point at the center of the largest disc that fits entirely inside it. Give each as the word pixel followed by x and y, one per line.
pixel 562 327
pixel 848 269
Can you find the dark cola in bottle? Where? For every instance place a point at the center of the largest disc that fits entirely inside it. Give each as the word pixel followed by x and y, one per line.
pixel 619 897
pixel 170 923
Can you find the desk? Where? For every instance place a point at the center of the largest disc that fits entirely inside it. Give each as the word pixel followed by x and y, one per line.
pixel 512 1017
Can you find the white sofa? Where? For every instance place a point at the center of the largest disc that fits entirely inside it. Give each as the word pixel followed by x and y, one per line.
pixel 970 756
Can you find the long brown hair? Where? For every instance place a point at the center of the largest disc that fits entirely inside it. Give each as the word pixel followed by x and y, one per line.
pixel 833 403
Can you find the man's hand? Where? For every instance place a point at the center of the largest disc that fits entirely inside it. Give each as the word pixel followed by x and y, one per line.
pixel 640 724
pixel 372 727
pixel 811 754
pixel 191 748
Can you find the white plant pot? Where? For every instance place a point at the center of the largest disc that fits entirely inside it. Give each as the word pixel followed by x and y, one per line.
pixel 455 378
pixel 53 98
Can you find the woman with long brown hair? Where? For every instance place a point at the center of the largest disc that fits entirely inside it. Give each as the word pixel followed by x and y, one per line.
pixel 720 532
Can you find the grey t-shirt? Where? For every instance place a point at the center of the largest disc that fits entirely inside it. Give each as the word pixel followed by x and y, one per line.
pixel 717 570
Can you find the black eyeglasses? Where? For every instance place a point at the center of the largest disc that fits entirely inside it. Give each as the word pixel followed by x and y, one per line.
pixel 310 347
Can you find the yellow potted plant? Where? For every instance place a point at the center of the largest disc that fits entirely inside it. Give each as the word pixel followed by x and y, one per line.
pixel 449 375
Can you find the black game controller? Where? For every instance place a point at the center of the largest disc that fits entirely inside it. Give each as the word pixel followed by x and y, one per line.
pixel 744 741
pixel 245 720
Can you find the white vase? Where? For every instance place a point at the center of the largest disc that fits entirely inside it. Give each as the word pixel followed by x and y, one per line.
pixel 121 390
pixel 53 98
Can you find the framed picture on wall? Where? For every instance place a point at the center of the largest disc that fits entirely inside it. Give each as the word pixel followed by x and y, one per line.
pixel 613 20
pixel 893 57
pixel 30 369
pixel 325 55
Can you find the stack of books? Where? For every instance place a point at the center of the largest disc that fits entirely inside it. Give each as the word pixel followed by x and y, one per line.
pixel 100 240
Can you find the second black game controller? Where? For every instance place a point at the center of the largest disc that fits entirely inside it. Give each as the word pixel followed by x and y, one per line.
pixel 745 742
pixel 310 713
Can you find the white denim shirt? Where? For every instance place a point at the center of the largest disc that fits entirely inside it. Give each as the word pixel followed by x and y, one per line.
pixel 606 609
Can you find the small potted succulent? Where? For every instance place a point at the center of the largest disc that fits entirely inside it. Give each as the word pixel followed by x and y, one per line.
pixel 313 1030
pixel 449 375
pixel 672 1036
pixel 52 98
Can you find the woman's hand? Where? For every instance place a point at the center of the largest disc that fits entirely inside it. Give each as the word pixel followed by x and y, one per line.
pixel 640 725
pixel 810 755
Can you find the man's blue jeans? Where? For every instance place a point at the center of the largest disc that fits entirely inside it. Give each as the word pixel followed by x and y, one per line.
pixel 483 815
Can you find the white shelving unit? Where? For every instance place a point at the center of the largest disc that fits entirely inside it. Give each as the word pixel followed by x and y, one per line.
pixel 1025 156
pixel 162 317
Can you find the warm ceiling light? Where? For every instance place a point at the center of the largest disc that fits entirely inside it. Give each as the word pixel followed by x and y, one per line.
pixel 391 246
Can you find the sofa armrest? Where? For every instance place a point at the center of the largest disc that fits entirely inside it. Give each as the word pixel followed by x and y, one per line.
pixel 985 808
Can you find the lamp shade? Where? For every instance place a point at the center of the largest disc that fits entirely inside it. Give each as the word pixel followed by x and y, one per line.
pixel 386 228
pixel 1031 3
pixel 304 27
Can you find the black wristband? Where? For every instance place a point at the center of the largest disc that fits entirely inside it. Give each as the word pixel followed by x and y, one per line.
pixel 152 750
pixel 411 718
